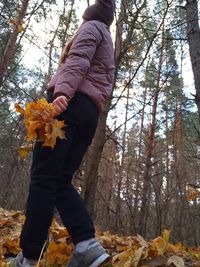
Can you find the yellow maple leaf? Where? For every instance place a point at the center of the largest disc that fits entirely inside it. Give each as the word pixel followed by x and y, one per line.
pixel 24 150
pixel 52 131
pixel 141 241
pixel 166 235
pixel 160 244
pixel 58 232
pixel 123 258
pixel 137 257
pixel 58 253
pixel 40 123
pixel 22 153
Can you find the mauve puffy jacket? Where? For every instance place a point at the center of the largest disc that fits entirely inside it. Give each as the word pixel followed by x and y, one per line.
pixel 89 67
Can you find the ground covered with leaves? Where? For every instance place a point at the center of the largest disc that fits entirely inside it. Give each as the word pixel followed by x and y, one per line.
pixel 126 251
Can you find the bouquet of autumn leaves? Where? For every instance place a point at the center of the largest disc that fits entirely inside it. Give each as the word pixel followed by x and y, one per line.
pixel 40 122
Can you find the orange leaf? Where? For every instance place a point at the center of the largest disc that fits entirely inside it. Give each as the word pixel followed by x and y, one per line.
pixel 24 150
pixel 192 193
pixel 12 21
pixel 58 253
pixel 20 28
pixel 12 245
pixel 19 109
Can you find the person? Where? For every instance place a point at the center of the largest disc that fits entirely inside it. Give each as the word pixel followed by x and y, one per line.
pixel 78 91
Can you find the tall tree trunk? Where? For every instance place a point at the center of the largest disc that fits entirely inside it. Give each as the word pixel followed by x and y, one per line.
pixel 193 33
pixel 180 168
pixel 179 217
pixel 92 163
pixel 139 163
pixel 11 45
pixel 121 172
pixel 167 164
pixel 149 151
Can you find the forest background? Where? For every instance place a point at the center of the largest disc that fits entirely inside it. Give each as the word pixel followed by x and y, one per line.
pixel 145 156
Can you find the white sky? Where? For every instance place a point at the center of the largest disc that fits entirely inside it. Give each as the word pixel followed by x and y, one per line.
pixel 32 51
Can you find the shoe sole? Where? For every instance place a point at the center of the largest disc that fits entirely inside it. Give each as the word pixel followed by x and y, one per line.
pixel 100 260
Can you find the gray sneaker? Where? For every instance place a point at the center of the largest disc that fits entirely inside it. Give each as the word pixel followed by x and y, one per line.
pixel 93 256
pixel 20 261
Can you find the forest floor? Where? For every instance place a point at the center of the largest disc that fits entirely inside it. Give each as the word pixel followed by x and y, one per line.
pixel 126 251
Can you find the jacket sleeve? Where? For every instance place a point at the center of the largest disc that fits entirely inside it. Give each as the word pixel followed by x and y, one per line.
pixel 81 53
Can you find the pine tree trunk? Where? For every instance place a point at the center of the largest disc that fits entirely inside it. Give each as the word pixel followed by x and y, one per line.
pixel 180 170
pixel 167 166
pixel 119 214
pixel 193 33
pixel 149 152
pixel 92 163
pixel 139 163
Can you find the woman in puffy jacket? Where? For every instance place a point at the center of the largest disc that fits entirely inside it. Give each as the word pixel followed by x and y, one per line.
pixel 78 91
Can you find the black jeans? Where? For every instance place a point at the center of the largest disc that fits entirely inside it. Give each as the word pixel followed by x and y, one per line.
pixel 51 176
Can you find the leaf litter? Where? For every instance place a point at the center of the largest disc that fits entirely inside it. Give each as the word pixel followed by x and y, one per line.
pixel 125 251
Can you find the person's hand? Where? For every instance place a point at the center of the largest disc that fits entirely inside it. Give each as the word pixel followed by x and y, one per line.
pixel 60 104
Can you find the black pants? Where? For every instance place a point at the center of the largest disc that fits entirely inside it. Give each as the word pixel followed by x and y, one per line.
pixel 51 176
